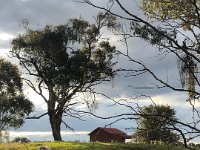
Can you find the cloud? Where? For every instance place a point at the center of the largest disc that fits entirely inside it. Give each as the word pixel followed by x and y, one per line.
pixel 39 13
pixel 41 134
pixel 38 101
pixel 46 136
pixel 4 53
pixel 6 36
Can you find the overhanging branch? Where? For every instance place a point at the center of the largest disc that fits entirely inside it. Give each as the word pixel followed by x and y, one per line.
pixel 37 117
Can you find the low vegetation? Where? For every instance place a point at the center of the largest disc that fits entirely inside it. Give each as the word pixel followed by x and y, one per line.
pixel 86 146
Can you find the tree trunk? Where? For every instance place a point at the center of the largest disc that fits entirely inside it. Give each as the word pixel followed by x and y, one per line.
pixel 55 122
pixel 55 118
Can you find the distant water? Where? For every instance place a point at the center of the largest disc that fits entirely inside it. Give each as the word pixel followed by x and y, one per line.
pixel 81 136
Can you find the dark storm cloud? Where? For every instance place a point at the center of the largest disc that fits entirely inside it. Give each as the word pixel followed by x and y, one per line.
pixel 39 13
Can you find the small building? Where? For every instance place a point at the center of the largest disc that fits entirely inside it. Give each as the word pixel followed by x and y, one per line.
pixel 108 135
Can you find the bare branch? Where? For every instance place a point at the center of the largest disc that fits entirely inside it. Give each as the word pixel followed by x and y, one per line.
pixel 37 117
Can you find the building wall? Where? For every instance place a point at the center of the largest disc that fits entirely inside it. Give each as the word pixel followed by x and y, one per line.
pixel 118 139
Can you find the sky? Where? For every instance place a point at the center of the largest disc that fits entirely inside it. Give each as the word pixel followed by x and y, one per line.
pixel 54 12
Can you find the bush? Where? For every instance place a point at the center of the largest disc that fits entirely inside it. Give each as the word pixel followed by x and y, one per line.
pixel 21 140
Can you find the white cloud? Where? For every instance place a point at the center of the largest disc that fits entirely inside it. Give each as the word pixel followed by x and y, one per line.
pixel 36 98
pixel 47 136
pixel 6 36
pixel 41 134
pixel 4 53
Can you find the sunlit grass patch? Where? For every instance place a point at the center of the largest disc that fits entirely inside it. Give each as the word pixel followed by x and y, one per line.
pixel 13 146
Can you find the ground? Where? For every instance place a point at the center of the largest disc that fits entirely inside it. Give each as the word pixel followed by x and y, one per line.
pixel 86 146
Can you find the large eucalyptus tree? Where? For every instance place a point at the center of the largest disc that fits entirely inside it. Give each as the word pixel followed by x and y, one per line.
pixel 66 60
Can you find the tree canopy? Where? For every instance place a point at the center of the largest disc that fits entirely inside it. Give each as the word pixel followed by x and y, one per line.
pixel 14 106
pixel 182 10
pixel 65 59
pixel 155 123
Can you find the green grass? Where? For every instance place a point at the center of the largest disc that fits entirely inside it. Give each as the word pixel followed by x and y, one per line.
pixel 85 146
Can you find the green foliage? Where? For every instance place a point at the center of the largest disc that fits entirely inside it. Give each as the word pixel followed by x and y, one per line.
pixel 155 123
pixel 9 78
pixel 187 67
pixel 108 20
pixel 64 54
pixel 171 9
pixel 14 106
pixel 149 34
pixel 21 140
pixel 185 11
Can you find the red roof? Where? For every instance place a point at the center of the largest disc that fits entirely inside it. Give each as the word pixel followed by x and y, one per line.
pixel 113 131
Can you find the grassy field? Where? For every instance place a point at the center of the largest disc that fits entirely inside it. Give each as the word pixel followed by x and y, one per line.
pixel 85 146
